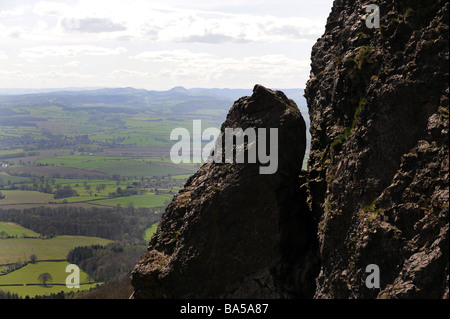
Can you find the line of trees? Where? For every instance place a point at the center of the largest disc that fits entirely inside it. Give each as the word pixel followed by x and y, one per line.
pixel 126 224
pixel 8 295
pixel 104 263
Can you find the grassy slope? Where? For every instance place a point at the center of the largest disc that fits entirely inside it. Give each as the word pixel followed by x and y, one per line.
pixel 12 229
pixel 14 249
pixel 150 231
pixel 30 273
pixel 141 169
pixel 23 197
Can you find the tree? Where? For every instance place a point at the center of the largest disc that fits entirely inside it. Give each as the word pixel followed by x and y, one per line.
pixel 44 278
pixel 33 258
pixel 66 191
pixel 50 232
pixel 100 273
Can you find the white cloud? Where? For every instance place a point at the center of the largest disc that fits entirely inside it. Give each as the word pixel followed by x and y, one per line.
pixel 68 51
pixel 15 12
pixel 204 67
pixel 40 75
pixel 91 25
pixel 52 8
pixel 150 20
pixel 172 56
pixel 124 73
pixel 72 63
pixel 8 32
pixel 219 28
pixel 206 60
pixel 57 78
pixel 155 43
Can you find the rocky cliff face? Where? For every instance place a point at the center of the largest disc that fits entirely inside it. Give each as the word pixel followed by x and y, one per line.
pixel 378 102
pixel 375 192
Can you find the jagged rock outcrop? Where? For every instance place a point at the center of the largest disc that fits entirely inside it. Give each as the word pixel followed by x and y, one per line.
pixel 375 192
pixel 379 161
pixel 232 232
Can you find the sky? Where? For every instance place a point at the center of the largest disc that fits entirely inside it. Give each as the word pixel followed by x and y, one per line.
pixel 158 45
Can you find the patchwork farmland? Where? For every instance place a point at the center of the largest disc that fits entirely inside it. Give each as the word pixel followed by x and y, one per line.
pixel 84 179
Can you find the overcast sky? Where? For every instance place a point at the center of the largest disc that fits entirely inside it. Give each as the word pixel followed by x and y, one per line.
pixel 158 44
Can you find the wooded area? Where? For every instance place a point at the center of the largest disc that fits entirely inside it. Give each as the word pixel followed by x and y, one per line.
pixel 121 224
pixel 104 263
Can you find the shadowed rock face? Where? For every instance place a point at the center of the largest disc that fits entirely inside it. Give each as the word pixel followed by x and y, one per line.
pixel 233 232
pixel 378 103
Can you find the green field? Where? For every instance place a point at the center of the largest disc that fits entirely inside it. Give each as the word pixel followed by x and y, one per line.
pixel 107 150
pixel 150 231
pixel 80 186
pixel 15 249
pixel 88 161
pixel 29 275
pixel 147 200
pixel 14 230
pixel 141 169
pixel 24 197
pixel 20 249
pixel 124 166
pixel 89 191
pixel 9 152
pixel 6 179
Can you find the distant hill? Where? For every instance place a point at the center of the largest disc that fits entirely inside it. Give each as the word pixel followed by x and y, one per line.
pixel 176 100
